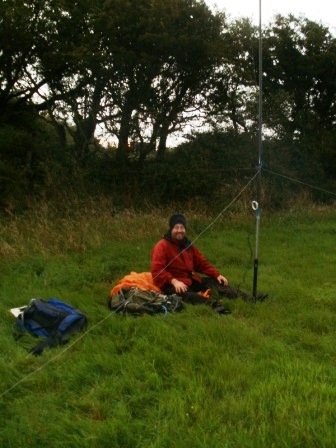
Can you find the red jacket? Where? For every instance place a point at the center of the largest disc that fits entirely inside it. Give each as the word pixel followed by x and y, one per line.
pixel 170 261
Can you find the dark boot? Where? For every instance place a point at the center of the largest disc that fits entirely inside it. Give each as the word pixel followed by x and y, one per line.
pixel 197 299
pixel 220 309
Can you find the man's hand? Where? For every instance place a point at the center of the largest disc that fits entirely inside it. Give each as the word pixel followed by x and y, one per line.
pixel 222 280
pixel 180 287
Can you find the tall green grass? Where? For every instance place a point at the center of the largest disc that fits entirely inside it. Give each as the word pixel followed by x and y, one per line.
pixel 263 376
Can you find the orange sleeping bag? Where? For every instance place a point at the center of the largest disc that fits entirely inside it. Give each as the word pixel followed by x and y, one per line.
pixel 143 281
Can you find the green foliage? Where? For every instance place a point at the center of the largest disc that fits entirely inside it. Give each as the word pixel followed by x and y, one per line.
pixel 263 376
pixel 208 166
pixel 28 154
pixel 201 167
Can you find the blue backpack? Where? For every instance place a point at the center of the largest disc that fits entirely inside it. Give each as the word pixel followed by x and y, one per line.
pixel 54 320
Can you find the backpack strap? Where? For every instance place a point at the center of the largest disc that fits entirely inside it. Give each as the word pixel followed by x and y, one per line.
pixel 50 342
pixel 73 324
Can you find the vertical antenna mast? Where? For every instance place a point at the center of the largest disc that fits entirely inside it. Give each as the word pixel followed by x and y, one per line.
pixel 256 203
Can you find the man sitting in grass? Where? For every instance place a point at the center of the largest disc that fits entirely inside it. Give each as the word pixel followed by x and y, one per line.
pixel 175 262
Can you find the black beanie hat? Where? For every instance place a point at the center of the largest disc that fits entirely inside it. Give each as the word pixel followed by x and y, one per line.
pixel 177 219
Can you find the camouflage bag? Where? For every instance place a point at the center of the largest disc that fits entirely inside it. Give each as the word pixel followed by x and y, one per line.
pixel 136 301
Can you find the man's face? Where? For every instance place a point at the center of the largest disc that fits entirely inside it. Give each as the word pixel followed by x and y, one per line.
pixel 178 232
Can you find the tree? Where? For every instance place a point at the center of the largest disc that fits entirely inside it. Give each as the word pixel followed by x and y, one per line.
pixel 300 88
pixel 74 68
pixel 233 87
pixel 22 25
pixel 299 69
pixel 163 54
pixel 194 50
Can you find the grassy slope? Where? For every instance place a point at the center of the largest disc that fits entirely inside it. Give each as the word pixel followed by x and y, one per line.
pixel 263 376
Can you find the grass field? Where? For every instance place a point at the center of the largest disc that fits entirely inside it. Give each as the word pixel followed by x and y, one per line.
pixel 264 376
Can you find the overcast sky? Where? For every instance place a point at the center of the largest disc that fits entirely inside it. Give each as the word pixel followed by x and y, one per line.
pixel 323 11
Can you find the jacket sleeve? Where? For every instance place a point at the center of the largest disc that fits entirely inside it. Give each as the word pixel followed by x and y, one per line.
pixel 161 276
pixel 202 266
